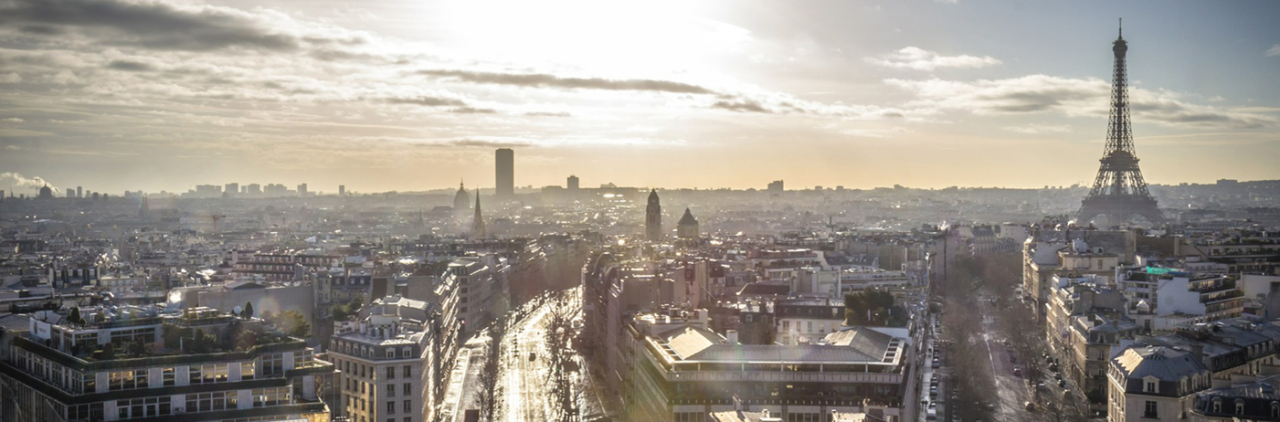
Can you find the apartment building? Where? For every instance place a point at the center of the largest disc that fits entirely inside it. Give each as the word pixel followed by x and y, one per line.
pixel 388 360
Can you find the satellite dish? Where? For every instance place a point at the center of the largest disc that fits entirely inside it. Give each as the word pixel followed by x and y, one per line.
pixel 237 309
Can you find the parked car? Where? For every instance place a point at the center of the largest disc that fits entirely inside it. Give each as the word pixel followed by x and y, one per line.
pixel 1017 372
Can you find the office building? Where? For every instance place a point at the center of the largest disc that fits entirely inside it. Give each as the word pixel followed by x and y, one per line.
pixel 231 190
pixel 775 186
pixel 302 189
pixel 98 364
pixel 685 371
pixel 505 181
pixel 342 190
pixel 572 185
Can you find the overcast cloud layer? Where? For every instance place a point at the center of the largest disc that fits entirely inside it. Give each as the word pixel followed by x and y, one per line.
pixel 153 95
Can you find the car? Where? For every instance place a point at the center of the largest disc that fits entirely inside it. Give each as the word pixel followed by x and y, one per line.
pixel 1029 406
pixel 1017 372
pixel 936 364
pixel 533 356
pixel 1062 383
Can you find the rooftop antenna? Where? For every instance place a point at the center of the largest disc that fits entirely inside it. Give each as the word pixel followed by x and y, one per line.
pixel 1122 28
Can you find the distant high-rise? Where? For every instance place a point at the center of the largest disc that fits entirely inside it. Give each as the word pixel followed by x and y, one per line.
pixel 506 173
pixel 775 186
pixel 573 184
pixel 253 189
pixel 477 223
pixel 71 193
pixel 342 190
pixel 231 190
pixel 653 218
pixel 79 192
pixel 302 189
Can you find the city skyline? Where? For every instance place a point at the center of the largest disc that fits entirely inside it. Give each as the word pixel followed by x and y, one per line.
pixel 863 95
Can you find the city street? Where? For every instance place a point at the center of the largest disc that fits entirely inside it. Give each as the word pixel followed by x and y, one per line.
pixel 524 380
pixel 1011 390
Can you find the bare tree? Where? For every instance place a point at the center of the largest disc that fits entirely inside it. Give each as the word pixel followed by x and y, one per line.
pixel 558 333
pixel 489 396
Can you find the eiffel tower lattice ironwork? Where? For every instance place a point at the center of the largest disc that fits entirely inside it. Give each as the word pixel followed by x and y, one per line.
pixel 1119 192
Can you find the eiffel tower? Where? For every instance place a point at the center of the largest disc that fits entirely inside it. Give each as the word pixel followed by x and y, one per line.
pixel 1119 192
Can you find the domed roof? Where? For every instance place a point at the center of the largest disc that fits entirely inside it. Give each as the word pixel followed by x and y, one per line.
pixel 461 199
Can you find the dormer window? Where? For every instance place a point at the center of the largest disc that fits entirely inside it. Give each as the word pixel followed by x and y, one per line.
pixel 1217 405
pixel 1149 387
pixel 1275 410
pixel 1239 406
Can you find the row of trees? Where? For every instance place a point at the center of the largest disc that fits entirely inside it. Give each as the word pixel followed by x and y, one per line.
pixel 489 395
pixel 558 332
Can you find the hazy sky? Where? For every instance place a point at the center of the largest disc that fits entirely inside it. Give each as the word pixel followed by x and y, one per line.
pixel 412 95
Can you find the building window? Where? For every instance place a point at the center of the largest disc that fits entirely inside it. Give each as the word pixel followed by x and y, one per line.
pixel 1150 387
pixel 407 405
pixel 406 352
pixel 273 364
pixel 207 402
pixel 170 376
pixel 391 390
pixel 407 371
pixel 391 408
pixel 1239 406
pixel 246 370
pixel 406 389
pixel 391 373
pixel 263 397
pixel 391 354
pixel 1150 411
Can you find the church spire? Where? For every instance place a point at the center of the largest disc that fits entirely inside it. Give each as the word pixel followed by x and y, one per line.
pixel 477 224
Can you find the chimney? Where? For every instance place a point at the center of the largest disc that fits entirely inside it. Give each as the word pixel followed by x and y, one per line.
pixel 733 336
pixel 1197 350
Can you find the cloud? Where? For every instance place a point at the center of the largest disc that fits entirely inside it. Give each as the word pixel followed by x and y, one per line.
pixel 740 105
pixel 1036 128
pixel 921 59
pixel 486 143
pixel 473 110
pixel 1073 97
pixel 427 100
pixel 129 66
pixel 542 80
pixel 147 24
pixel 10 78
pixel 1274 51
pixel 64 78
pixel 13 120
pixel 548 114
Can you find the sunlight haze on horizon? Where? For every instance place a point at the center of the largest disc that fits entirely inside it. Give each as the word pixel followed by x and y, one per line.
pixel 416 95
